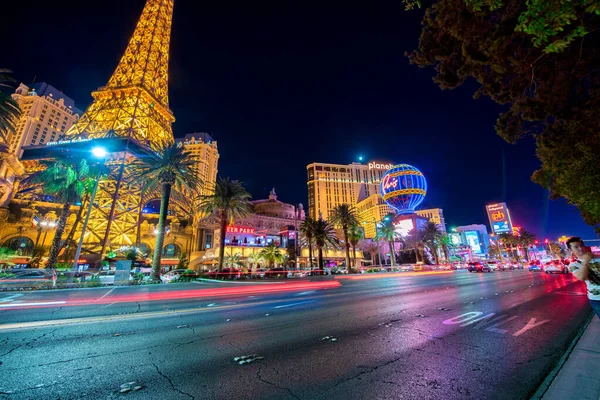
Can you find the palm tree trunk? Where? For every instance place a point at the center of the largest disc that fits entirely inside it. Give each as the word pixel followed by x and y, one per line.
pixel 346 244
pixel 354 255
pixel 67 242
pixel 60 228
pixel 435 255
pixel 160 236
pixel 310 254
pixel 392 254
pixel 445 250
pixel 320 258
pixel 223 223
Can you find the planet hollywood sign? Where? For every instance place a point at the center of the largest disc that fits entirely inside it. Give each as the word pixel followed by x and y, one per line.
pixel 373 165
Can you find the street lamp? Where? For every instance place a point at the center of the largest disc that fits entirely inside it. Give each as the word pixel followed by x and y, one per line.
pixel 100 153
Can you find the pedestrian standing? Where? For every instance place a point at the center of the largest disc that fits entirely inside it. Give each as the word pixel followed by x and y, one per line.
pixel 586 268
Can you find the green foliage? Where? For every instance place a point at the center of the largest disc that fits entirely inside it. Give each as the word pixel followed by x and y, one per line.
pixel 184 262
pixel 344 216
pixel 7 275
pixel 324 236
pixel 171 168
pixel 37 257
pixel 234 260
pixel 9 108
pixel 552 92
pixel 272 255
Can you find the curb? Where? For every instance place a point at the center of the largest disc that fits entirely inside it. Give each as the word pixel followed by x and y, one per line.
pixel 547 382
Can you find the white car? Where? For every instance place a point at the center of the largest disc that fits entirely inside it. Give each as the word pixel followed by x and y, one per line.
pixel 172 275
pixel 555 267
pixel 107 277
pixel 495 265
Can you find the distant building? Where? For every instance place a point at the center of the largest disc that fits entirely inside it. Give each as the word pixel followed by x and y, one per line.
pixel 475 236
pixel 204 151
pixel 373 209
pixel 46 115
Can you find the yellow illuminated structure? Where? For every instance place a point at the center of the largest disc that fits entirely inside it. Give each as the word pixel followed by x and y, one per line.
pixel 135 103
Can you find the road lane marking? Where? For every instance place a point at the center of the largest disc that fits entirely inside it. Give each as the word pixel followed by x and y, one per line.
pixel 293 304
pixel 46 303
pixel 11 297
pixel 106 294
pixel 486 321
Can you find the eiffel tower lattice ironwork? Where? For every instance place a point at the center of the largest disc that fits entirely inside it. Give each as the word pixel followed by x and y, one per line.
pixel 135 103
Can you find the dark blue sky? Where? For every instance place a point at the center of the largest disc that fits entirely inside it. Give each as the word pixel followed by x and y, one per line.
pixel 280 85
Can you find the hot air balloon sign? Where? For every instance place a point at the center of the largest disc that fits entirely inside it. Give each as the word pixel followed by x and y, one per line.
pixel 403 187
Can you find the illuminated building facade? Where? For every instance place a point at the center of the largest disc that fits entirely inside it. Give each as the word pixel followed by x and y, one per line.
pixel 204 152
pixel 330 185
pixel 373 209
pixel 47 114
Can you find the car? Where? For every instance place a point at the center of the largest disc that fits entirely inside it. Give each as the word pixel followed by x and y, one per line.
pixel 27 277
pixel 407 267
pixel 495 266
pixel 478 266
pixel 107 277
pixel 535 268
pixel 555 267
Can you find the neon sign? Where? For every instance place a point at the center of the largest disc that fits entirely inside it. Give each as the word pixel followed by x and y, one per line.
pixel 373 165
pixel 403 187
pixel 67 142
pixel 239 229
pixel 389 182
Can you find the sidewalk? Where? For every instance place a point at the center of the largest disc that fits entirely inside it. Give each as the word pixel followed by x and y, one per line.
pixel 579 377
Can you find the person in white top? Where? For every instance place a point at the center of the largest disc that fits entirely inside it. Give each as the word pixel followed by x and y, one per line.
pixel 586 268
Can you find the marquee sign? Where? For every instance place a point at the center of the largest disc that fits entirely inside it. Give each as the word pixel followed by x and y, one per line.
pixel 373 165
pixel 239 229
pixel 499 218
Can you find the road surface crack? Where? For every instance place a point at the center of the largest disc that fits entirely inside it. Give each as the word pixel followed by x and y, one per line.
pixel 369 371
pixel 139 307
pixel 172 384
pixel 260 378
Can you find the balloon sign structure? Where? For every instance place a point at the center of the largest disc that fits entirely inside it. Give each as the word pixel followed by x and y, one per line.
pixel 403 187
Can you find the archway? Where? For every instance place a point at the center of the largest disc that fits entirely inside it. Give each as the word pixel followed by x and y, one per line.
pixel 171 251
pixel 21 245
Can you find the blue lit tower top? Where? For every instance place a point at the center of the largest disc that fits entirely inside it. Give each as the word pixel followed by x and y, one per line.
pixel 403 187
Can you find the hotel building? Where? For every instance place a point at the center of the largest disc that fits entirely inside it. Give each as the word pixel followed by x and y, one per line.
pixel 46 115
pixel 204 152
pixel 330 185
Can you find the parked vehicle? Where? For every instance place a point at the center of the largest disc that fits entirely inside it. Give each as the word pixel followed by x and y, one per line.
pixel 495 266
pixel 535 268
pixel 107 277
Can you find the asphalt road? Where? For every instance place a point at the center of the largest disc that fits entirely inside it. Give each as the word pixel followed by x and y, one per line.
pixel 449 336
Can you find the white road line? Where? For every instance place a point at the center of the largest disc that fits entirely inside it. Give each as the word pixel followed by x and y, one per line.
pixel 11 297
pixel 106 294
pixel 291 305
pixel 46 303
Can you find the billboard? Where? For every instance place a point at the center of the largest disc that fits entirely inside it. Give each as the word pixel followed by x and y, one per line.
pixel 455 238
pixel 499 218
pixel 472 238
pixel 404 226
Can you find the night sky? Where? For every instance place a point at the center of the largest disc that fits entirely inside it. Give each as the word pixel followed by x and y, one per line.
pixel 282 84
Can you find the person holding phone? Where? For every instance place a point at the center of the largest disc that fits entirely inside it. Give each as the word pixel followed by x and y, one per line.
pixel 586 268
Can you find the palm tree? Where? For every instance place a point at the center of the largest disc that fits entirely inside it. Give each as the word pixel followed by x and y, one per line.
pixel 67 183
pixel 526 239
pixel 509 240
pixel 229 201
pixel 324 236
pixel 355 234
pixel 9 108
pixel 234 260
pixel 307 229
pixel 371 247
pixel 171 168
pixel 344 216
pixel 415 241
pixel 386 230
pixel 272 255
pixel 253 259
pixel 446 244
pixel 431 237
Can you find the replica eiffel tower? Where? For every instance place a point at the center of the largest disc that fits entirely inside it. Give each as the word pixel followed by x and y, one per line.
pixel 129 118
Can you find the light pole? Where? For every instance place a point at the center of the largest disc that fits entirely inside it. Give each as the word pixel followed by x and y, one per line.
pixel 100 153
